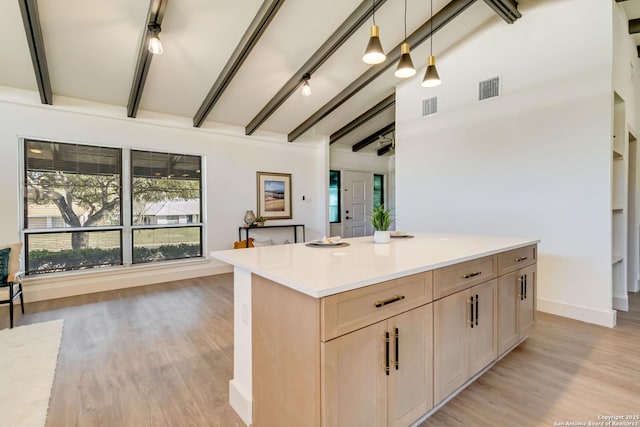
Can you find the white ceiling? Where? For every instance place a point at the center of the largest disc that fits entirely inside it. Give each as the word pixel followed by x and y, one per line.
pixel 91 48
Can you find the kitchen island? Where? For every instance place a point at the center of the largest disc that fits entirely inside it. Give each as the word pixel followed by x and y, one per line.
pixel 373 334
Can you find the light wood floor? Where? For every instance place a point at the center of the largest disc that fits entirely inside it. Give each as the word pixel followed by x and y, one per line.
pixel 162 355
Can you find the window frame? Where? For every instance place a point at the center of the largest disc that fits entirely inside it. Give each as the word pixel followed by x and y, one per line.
pixel 339 173
pixel 126 211
pixel 133 227
pixel 382 189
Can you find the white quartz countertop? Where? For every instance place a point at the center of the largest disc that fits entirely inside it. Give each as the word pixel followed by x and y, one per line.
pixel 323 271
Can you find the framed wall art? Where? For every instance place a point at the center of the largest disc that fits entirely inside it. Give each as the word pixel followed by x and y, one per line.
pixel 274 195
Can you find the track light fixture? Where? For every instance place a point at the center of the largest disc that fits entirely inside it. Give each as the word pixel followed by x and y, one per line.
pixel 374 54
pixel 405 64
pixel 306 87
pixel 431 77
pixel 155 45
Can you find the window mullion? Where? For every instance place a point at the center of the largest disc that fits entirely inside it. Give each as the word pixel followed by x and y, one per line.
pixel 125 203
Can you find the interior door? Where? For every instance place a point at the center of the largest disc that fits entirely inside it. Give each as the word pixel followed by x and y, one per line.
pixel 358 203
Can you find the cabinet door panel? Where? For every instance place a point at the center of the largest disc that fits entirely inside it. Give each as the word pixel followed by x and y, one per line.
pixel 450 330
pixel 527 305
pixel 354 388
pixel 508 298
pixel 483 343
pixel 411 381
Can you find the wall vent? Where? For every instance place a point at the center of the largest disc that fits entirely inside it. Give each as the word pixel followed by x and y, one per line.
pixel 429 106
pixel 489 88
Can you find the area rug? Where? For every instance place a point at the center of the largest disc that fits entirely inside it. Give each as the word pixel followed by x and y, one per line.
pixel 28 358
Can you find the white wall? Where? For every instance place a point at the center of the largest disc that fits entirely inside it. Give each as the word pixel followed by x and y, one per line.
pixel 342 159
pixel 626 68
pixel 536 161
pixel 231 164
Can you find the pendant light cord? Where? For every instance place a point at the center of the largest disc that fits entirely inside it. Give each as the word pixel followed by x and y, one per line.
pixel 405 20
pixel 431 21
pixel 373 2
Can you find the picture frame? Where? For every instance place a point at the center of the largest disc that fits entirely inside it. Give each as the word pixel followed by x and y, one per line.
pixel 274 195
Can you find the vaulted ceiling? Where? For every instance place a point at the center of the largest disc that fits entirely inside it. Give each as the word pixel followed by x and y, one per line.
pixel 92 50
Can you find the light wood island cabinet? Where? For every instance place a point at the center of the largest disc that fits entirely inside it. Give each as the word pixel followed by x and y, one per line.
pixel 375 349
pixel 465 336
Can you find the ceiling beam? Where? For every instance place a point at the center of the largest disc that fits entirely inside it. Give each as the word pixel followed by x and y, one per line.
pixel 506 9
pixel 384 150
pixel 155 16
pixel 439 20
pixel 328 48
pixel 373 137
pixel 251 36
pixel 381 106
pixel 634 26
pixel 31 21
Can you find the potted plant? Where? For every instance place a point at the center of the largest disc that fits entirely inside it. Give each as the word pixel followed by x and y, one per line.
pixel 260 221
pixel 381 221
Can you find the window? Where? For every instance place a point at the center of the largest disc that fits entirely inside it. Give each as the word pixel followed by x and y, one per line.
pixel 334 196
pixel 72 211
pixel 165 192
pixel 378 190
pixel 73 214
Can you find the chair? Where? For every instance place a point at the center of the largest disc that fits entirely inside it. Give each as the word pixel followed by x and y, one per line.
pixel 11 277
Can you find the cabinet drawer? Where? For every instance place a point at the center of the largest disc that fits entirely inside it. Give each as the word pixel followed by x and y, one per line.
pixel 458 277
pixel 347 311
pixel 515 259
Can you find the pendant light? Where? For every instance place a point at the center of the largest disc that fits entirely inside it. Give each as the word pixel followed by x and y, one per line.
pixel 155 45
pixel 431 77
pixel 405 64
pixel 374 54
pixel 306 88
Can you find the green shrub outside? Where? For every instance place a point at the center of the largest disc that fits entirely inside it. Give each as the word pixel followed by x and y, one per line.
pixel 45 261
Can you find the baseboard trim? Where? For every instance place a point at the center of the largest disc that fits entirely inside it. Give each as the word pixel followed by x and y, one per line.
pixel 621 303
pixel 241 402
pixel 67 285
pixel 586 314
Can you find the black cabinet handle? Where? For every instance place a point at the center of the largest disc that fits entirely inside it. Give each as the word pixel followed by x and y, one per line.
pixel 477 311
pixel 470 275
pixel 397 363
pixel 389 301
pixel 520 259
pixel 386 352
pixel 521 280
pixel 471 311
pixel 525 286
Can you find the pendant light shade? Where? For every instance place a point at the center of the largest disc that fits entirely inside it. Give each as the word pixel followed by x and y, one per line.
pixel 374 54
pixel 431 77
pixel 405 65
pixel 155 45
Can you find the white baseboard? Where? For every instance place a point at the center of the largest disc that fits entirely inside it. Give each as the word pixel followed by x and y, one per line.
pixel 240 402
pixel 586 314
pixel 61 285
pixel 621 303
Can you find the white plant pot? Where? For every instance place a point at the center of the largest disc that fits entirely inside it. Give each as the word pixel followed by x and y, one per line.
pixel 381 236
